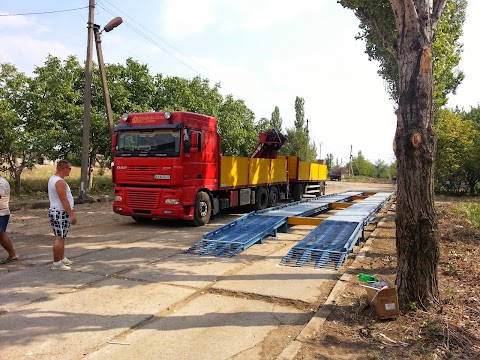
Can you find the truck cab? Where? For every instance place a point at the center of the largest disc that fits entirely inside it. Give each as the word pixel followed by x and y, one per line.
pixel 165 166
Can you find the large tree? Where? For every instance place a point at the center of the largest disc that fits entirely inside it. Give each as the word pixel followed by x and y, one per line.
pixel 400 34
pixel 236 127
pixel 276 120
pixel 299 113
pixel 16 141
pixel 55 107
pixel 458 156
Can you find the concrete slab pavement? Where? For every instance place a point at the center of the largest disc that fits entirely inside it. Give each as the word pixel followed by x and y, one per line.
pixel 69 325
pixel 208 328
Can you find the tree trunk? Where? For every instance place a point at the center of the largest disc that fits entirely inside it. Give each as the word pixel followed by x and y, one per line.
pixel 92 161
pixel 417 245
pixel 18 181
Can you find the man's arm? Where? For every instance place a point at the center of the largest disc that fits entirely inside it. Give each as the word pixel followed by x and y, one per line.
pixel 61 187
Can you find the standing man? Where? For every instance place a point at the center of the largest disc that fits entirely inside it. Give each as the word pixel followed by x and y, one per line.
pixel 60 213
pixel 4 218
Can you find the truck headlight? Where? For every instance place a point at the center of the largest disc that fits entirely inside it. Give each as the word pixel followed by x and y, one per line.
pixel 172 201
pixel 118 198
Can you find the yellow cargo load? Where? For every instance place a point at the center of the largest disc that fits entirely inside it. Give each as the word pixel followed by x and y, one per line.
pixel 278 170
pixel 259 171
pixel 292 167
pixel 318 172
pixel 233 171
pixel 303 171
pixel 237 172
pixel 311 172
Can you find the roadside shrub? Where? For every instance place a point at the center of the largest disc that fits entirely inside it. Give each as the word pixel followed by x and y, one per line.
pixel 471 212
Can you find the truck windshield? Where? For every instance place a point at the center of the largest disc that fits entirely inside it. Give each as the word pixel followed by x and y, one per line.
pixel 151 143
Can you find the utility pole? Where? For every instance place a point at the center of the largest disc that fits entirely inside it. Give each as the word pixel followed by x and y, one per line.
pixel 87 104
pixel 306 147
pixel 351 160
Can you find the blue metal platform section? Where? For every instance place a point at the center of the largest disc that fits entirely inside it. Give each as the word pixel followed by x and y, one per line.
pixel 250 229
pixel 330 243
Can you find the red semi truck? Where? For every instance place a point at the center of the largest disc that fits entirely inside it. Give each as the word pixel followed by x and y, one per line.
pixel 168 165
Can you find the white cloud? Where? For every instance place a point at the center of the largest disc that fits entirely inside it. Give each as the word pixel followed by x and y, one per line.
pixel 181 18
pixel 23 51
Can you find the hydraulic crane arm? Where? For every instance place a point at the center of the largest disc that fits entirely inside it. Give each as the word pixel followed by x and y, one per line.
pixel 268 144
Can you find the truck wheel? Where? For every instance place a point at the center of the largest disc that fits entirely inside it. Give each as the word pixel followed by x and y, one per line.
pixel 297 192
pixel 273 197
pixel 261 198
pixel 202 210
pixel 142 220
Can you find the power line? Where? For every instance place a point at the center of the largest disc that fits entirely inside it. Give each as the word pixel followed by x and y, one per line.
pixel 146 37
pixel 45 12
pixel 156 36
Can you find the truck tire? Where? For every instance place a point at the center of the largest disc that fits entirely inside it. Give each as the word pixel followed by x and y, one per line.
pixel 202 210
pixel 297 192
pixel 273 197
pixel 261 198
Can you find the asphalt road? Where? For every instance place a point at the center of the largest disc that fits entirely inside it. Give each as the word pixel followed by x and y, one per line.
pixel 133 293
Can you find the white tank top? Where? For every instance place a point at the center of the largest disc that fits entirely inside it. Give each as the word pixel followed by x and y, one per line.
pixel 5 197
pixel 55 202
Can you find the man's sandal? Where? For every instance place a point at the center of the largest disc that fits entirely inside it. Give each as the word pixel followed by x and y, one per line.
pixel 8 261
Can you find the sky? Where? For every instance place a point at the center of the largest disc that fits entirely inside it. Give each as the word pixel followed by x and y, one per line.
pixel 264 52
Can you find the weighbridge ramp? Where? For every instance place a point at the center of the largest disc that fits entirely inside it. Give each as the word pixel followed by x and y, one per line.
pixel 330 243
pixel 250 229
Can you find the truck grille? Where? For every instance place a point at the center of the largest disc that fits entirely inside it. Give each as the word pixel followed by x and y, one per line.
pixel 142 168
pixel 142 199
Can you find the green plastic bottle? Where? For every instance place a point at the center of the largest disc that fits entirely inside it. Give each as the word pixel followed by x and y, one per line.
pixel 367 278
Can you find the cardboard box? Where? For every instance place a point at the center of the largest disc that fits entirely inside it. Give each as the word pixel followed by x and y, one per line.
pixel 385 301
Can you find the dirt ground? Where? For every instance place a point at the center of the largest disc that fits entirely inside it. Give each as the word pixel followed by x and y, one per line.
pixel 450 330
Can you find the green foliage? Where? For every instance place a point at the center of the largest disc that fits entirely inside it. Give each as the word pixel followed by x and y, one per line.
pixel 276 120
pixel 296 145
pixel 18 149
pixel 329 160
pixel 262 125
pixel 471 212
pixel 381 169
pixel 377 29
pixel 361 166
pixel 457 164
pixel 392 170
pixel 447 51
pixel 412 306
pixel 55 108
pixel 236 127
pixel 299 113
pixel 180 94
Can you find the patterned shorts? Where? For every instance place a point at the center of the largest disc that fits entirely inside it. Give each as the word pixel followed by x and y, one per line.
pixel 60 221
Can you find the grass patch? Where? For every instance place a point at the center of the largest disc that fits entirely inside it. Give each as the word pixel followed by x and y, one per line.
pixel 34 182
pixel 471 212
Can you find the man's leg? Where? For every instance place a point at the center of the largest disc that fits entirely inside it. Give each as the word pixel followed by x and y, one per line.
pixel 58 248
pixel 7 245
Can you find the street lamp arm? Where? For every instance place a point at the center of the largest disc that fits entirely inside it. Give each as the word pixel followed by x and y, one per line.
pixel 112 24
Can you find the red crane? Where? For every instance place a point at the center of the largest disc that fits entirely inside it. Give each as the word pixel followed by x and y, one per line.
pixel 268 144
